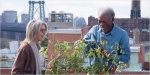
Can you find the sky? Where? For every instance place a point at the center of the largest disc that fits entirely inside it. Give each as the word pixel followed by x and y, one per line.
pixel 80 8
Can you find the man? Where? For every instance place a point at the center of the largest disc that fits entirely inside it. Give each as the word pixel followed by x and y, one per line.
pixel 110 32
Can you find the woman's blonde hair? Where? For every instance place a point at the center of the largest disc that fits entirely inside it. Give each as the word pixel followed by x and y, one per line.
pixel 32 29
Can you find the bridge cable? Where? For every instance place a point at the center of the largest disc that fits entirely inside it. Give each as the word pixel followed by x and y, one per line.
pixel 47 9
pixel 22 11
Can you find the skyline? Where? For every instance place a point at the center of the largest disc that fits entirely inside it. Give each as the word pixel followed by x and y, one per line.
pixel 80 8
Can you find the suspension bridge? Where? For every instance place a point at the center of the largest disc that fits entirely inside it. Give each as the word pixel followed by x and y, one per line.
pixel 36 11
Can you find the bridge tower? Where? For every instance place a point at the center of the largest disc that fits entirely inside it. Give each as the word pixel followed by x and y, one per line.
pixel 37 9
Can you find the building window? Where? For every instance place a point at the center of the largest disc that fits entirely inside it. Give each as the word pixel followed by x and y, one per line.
pixel 132 25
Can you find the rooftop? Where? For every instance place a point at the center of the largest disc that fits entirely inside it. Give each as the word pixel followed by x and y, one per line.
pixel 67 31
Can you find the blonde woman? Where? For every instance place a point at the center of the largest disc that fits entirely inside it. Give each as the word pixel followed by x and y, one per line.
pixel 28 57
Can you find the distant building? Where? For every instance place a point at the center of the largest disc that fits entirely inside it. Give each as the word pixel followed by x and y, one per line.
pixel 46 20
pixel 60 20
pixel 9 17
pixel 4 51
pixel 24 18
pixel 12 51
pixel 130 24
pixel 79 22
pixel 14 45
pixel 92 21
pixel 0 19
pixel 135 11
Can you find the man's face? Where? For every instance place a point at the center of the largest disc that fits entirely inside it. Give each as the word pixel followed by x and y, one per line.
pixel 106 22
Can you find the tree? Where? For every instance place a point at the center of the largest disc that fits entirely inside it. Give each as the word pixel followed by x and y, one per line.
pixel 44 43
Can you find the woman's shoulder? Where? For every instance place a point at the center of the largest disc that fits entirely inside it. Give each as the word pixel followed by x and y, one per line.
pixel 24 46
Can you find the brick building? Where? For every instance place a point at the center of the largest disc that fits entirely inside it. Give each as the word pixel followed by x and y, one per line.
pixel 129 24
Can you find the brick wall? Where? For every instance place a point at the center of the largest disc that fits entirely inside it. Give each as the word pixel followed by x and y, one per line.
pixel 141 53
pixel 60 37
pixel 5 71
pixel 85 30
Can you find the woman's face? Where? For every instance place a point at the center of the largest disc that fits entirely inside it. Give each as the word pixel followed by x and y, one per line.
pixel 41 33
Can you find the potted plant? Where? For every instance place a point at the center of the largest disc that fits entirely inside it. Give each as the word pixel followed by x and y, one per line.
pixel 72 63
pixel 65 62
pixel 98 52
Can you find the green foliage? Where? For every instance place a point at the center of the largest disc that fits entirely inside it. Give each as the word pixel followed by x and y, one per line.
pixel 120 67
pixel 73 62
pixel 44 43
pixel 68 63
pixel 44 51
pixel 148 57
pixel 62 47
pixel 98 52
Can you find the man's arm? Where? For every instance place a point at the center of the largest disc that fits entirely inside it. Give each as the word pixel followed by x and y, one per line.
pixel 124 43
pixel 91 35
